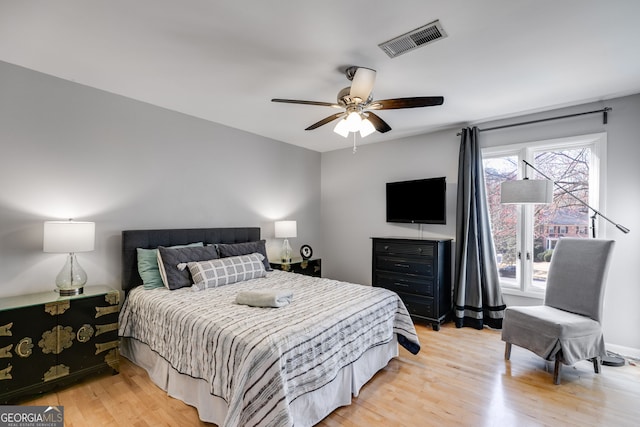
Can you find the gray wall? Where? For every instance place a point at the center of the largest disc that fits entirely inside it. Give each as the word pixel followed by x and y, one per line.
pixel 353 198
pixel 69 151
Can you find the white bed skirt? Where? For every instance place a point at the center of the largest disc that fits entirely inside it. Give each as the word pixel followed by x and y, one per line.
pixel 307 410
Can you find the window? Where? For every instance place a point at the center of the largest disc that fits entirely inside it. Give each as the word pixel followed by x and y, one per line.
pixel 525 235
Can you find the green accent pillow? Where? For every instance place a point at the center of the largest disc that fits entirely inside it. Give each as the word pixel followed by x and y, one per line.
pixel 148 266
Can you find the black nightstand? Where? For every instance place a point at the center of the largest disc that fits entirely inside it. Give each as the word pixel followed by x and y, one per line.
pixel 308 267
pixel 47 340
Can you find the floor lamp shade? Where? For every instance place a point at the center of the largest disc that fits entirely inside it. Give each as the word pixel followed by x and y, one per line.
pixel 532 191
pixel 69 237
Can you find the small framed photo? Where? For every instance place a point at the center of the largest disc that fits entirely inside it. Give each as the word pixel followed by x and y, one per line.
pixel 306 252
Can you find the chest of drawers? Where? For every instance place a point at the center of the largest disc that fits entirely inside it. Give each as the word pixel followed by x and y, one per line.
pixel 47 340
pixel 419 271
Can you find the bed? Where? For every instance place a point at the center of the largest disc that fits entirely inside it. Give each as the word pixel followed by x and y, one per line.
pixel 242 365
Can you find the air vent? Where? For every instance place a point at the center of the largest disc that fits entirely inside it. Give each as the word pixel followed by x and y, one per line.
pixel 414 39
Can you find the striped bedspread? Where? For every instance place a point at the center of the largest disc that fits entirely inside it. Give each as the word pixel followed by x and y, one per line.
pixel 261 359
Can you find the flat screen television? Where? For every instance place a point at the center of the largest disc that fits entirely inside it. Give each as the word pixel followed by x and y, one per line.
pixel 420 201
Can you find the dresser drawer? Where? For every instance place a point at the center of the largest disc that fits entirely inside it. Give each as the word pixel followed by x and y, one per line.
pixel 417 249
pixel 405 284
pixel 417 266
pixel 419 306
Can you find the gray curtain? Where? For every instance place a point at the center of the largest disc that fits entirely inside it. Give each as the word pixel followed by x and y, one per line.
pixel 477 295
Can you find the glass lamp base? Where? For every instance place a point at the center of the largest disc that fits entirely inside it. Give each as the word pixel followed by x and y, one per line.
pixel 286 251
pixel 70 291
pixel 71 279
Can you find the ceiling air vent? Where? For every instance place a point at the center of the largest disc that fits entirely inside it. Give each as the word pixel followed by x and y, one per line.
pixel 414 39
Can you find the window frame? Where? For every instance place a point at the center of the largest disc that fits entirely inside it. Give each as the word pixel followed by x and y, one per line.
pixel 597 142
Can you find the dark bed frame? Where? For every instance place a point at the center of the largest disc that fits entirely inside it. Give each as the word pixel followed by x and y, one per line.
pixel 151 239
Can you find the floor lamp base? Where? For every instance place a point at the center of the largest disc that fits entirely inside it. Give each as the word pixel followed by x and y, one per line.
pixel 613 360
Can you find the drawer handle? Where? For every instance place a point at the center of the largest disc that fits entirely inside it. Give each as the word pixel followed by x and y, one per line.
pixel 84 333
pixel 23 349
pixel 402 265
pixel 406 285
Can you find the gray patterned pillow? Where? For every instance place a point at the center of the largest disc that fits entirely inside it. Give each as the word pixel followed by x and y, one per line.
pixel 224 271
pixel 169 258
pixel 235 249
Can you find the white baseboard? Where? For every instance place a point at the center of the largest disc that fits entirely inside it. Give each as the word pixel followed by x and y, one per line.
pixel 624 351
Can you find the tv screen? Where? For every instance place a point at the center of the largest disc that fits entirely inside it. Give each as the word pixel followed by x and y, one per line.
pixel 421 201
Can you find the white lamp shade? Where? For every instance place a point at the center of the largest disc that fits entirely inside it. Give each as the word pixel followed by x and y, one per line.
pixel 286 229
pixel 68 236
pixel 353 121
pixel 366 128
pixel 527 191
pixel 342 128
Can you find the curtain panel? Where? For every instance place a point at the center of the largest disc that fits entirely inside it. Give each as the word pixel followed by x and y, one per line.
pixel 477 294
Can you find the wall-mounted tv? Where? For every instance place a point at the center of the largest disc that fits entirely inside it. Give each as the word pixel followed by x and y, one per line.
pixel 420 201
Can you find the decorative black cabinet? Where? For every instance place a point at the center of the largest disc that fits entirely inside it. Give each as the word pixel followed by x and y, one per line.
pixel 47 340
pixel 309 267
pixel 419 271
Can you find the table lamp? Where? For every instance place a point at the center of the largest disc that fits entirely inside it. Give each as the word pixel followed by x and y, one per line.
pixel 69 237
pixel 284 230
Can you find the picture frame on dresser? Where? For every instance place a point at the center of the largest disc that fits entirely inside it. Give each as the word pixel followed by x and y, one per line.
pixel 419 271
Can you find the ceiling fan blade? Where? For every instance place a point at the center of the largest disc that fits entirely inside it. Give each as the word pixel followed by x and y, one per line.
pixel 296 101
pixel 362 83
pixel 414 102
pixel 380 125
pixel 325 121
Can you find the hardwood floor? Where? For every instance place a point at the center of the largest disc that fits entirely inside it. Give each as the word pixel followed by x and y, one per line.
pixel 459 378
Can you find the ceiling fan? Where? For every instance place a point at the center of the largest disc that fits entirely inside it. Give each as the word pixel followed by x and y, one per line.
pixel 357 103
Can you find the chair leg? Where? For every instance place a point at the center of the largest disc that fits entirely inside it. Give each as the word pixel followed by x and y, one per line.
pixel 556 372
pixel 507 351
pixel 596 364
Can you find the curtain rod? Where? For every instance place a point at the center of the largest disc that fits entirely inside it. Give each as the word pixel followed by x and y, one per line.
pixel 604 112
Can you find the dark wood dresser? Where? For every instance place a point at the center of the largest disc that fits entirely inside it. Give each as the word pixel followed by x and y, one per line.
pixel 419 271
pixel 47 340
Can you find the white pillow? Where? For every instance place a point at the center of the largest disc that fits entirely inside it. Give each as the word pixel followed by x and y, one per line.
pixel 224 271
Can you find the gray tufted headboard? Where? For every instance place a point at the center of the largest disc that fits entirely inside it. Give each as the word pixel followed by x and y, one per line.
pixel 151 239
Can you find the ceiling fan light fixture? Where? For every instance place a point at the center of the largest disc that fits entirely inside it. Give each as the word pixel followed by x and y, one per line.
pixel 342 128
pixel 357 103
pixel 353 121
pixel 366 128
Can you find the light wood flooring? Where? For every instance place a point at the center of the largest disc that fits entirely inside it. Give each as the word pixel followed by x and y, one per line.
pixel 459 378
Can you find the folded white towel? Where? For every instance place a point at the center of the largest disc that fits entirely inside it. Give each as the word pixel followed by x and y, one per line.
pixel 265 298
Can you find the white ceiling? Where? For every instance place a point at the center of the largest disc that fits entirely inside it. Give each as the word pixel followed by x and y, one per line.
pixel 224 60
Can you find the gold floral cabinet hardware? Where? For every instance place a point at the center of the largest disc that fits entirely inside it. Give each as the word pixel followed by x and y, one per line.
pixel 48 341
pixel 57 339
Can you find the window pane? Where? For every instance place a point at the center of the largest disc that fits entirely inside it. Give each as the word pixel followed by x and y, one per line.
pixel 566 216
pixel 504 218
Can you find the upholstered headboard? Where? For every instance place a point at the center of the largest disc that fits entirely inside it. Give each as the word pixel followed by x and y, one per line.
pixel 150 239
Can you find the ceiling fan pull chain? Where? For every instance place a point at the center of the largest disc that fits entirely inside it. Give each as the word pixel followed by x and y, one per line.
pixel 354 143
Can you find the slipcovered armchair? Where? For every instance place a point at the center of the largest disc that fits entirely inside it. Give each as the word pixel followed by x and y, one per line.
pixel 567 327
